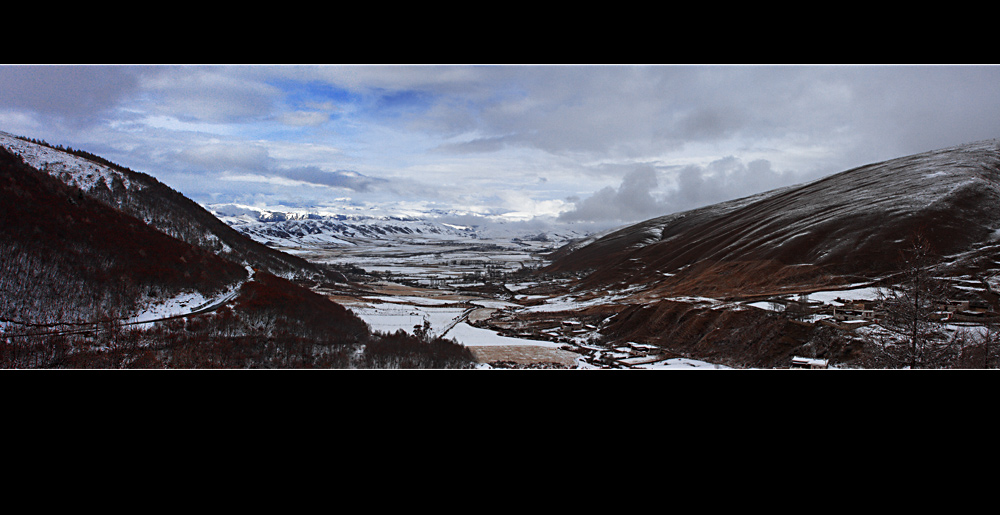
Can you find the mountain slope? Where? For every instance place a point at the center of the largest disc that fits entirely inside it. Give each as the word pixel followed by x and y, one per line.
pixel 74 272
pixel 145 198
pixel 67 258
pixel 846 227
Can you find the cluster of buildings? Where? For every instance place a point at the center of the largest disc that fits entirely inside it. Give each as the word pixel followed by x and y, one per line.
pixel 853 313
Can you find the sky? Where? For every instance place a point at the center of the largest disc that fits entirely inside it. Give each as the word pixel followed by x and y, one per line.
pixel 593 146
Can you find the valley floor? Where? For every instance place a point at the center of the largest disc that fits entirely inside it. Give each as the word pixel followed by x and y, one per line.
pixel 444 288
pixel 464 317
pixel 484 296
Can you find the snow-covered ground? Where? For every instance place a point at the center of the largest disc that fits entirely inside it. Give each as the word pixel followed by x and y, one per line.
pixel 388 317
pixel 681 364
pixel 830 297
pixel 446 315
pixel 181 304
pixel 474 337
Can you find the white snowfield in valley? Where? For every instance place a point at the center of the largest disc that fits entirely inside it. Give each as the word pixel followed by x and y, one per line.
pixel 449 318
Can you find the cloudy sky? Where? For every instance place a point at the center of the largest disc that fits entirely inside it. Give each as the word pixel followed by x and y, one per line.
pixel 591 145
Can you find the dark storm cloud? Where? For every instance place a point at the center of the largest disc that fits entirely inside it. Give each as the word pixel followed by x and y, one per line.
pixel 255 160
pixel 725 179
pixel 694 186
pixel 871 112
pixel 920 108
pixel 74 93
pixel 632 201
pixel 338 179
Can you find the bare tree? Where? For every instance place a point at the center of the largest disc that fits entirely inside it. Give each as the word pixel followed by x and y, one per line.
pixel 991 337
pixel 909 307
pixel 979 346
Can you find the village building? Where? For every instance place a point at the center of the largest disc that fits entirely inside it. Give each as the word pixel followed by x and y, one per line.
pixel 809 363
pixel 845 313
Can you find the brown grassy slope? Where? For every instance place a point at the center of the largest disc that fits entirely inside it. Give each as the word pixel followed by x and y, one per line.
pixel 843 228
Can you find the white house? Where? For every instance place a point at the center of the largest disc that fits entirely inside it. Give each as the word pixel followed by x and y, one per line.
pixel 800 362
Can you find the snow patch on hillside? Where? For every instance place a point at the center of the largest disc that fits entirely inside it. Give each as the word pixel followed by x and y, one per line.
pixel 181 304
pixel 185 303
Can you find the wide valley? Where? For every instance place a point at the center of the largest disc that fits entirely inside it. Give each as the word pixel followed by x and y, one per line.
pixel 482 294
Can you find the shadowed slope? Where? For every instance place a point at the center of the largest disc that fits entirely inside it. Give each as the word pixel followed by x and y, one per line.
pixel 844 227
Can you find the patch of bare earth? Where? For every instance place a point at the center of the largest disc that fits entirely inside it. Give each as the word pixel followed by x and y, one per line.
pixel 525 355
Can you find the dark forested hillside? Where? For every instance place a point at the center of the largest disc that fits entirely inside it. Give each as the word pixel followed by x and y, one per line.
pixel 66 257
pixel 73 270
pixel 158 205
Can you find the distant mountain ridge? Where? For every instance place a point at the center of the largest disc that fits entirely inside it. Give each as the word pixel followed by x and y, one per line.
pixel 278 228
pixel 845 227
pixel 286 228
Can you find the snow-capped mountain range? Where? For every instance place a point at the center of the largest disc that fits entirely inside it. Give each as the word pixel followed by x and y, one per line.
pixel 287 228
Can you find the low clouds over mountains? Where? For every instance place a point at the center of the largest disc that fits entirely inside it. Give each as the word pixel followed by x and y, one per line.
pixel 643 194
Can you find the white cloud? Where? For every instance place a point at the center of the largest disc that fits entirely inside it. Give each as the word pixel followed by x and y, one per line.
pixel 207 94
pixel 628 141
pixel 304 118
pixel 229 156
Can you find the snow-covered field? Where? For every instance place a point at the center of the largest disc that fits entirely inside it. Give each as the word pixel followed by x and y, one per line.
pixel 389 317
pixel 681 364
pixel 474 337
pixel 830 297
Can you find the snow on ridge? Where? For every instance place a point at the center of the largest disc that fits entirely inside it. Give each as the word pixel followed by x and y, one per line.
pixel 305 229
pixel 83 173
